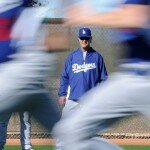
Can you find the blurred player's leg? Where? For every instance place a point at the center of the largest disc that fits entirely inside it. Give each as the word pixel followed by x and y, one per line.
pixel 46 111
pixel 26 86
pixel 4 119
pixel 25 130
pixel 105 105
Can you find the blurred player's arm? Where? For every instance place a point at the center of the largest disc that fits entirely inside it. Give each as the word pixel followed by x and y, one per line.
pixel 28 29
pixel 103 75
pixel 127 15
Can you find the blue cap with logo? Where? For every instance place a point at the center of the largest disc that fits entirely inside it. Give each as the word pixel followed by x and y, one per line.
pixel 84 32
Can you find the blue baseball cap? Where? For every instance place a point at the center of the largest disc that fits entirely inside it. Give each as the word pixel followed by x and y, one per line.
pixel 84 32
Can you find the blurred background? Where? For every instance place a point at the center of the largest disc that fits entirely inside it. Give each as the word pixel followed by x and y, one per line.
pixel 101 37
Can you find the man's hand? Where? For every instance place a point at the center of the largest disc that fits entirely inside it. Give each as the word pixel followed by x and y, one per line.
pixel 62 100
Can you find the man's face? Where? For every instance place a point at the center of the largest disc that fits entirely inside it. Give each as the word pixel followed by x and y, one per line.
pixel 85 42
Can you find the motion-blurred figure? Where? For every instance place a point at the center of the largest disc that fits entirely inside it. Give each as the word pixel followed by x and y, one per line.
pixel 27 63
pixel 5 51
pixel 126 92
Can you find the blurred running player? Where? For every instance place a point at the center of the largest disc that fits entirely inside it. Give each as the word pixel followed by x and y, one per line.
pixel 126 92
pixel 26 63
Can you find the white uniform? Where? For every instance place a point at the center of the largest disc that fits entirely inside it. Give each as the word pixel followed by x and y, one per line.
pixel 125 93
pixel 23 74
pixel 104 105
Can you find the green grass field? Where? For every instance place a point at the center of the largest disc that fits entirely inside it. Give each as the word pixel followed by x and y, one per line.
pixel 51 148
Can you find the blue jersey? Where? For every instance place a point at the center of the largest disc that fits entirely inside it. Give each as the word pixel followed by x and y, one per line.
pixel 136 39
pixel 8 13
pixel 81 74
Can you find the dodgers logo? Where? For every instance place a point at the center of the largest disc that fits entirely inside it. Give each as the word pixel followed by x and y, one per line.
pixel 76 68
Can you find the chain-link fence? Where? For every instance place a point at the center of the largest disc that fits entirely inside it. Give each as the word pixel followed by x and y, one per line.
pixel 134 127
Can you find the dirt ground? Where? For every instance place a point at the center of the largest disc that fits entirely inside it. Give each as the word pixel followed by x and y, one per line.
pixel 52 142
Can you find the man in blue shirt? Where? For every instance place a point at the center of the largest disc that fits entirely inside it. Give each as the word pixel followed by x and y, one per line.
pixel 126 92
pixel 84 69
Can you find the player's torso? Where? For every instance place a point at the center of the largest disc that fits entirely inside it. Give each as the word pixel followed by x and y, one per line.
pixel 83 67
pixel 9 10
pixel 83 73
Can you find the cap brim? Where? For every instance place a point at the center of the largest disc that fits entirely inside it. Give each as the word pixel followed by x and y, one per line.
pixel 84 36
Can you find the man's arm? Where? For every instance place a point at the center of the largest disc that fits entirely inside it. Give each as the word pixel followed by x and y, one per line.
pixel 64 83
pixel 127 15
pixel 103 75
